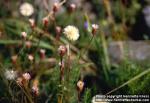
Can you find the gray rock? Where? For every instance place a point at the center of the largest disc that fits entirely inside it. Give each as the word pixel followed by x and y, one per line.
pixel 133 50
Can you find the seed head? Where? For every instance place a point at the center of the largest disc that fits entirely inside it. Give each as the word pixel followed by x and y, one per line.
pixel 71 32
pixel 26 9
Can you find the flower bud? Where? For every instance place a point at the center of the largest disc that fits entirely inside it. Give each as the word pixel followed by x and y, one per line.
pixel 42 53
pixel 72 8
pixel 58 32
pixel 62 50
pixel 23 35
pixel 94 28
pixel 80 85
pixel 26 76
pixel 45 21
pixel 32 23
pixel 56 7
pixel 35 90
pixel 28 44
pixel 14 59
pixel 58 29
pixel 30 57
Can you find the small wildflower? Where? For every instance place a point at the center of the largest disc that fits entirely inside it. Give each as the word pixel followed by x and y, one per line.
pixel 30 57
pixel 26 76
pixel 10 74
pixel 14 59
pixel 45 21
pixel 42 53
pixel 24 35
pixel 72 8
pixel 94 28
pixel 62 50
pixel 32 23
pixel 86 25
pixel 56 6
pixel 71 32
pixel 80 85
pixel 26 9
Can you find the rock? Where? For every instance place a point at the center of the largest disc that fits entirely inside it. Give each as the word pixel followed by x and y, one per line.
pixel 134 50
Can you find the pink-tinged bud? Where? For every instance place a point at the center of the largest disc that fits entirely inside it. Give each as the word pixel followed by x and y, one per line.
pixel 26 76
pixel 42 53
pixel 80 85
pixel 32 23
pixel 35 90
pixel 94 28
pixel 45 21
pixel 28 44
pixel 30 57
pixel 72 8
pixel 23 35
pixel 56 7
pixel 62 50
pixel 14 59
pixel 58 29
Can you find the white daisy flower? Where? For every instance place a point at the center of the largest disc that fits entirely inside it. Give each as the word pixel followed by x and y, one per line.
pixel 10 74
pixel 71 32
pixel 26 9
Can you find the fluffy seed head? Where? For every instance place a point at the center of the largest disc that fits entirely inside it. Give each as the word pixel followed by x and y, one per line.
pixel 71 32
pixel 10 74
pixel 26 9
